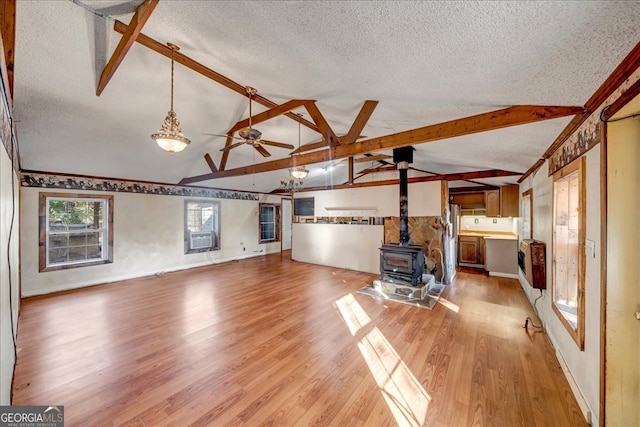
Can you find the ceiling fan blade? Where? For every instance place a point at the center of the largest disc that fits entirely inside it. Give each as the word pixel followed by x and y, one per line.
pixel 222 135
pixel 372 158
pixel 277 144
pixel 233 146
pixel 262 150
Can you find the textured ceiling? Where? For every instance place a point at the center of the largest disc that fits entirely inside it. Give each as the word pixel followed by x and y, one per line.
pixel 425 62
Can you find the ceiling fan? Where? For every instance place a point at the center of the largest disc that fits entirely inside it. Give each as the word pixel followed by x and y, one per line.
pixel 252 136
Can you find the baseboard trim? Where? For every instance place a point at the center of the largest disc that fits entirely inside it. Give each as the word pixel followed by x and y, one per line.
pixel 509 275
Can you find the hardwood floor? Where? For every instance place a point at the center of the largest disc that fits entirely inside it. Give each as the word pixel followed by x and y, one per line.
pixel 270 341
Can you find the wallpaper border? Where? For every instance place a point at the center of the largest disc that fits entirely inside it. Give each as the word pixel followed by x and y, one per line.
pixel 68 182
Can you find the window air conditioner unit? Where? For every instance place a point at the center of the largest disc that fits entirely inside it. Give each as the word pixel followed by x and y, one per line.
pixel 202 240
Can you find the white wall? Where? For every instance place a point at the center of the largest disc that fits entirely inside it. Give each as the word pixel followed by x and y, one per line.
pixel 424 200
pixel 148 239
pixel 8 282
pixel 583 366
pixel 356 247
pixel 468 222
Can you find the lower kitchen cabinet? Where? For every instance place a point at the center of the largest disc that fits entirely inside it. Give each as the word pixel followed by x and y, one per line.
pixel 469 247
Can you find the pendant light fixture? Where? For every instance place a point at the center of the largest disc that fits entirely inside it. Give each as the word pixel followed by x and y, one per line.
pixel 299 172
pixel 169 136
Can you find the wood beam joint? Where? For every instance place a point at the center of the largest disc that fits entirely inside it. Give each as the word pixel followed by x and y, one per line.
pixel 129 36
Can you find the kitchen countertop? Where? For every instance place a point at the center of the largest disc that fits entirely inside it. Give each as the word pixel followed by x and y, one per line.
pixel 503 235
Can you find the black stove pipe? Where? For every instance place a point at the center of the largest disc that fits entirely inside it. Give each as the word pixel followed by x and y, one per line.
pixel 402 157
pixel 404 207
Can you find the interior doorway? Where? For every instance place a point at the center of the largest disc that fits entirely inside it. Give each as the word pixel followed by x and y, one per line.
pixel 286 223
pixel 621 291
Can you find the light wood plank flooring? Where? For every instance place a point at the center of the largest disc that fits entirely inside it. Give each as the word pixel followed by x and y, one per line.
pixel 270 341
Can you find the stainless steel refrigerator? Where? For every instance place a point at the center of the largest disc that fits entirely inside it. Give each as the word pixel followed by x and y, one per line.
pixel 451 243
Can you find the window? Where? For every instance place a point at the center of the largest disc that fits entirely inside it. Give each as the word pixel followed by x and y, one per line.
pixel 75 230
pixel 527 214
pixel 202 226
pixel 269 223
pixel 568 248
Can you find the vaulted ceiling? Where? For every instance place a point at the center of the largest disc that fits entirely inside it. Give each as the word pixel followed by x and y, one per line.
pixel 423 62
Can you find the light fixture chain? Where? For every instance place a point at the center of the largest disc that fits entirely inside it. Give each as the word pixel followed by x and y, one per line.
pixel 172 52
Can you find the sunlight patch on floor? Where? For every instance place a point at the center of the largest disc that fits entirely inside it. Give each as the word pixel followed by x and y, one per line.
pixel 352 313
pixel 448 304
pixel 405 396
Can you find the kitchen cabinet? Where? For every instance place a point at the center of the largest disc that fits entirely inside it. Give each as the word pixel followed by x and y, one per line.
pixel 469 247
pixel 502 202
pixel 509 198
pixel 492 202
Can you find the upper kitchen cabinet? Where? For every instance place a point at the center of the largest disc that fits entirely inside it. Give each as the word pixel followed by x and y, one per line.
pixel 492 202
pixel 502 202
pixel 509 196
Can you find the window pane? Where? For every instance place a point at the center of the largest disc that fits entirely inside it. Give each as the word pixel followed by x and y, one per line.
pixel 76 229
pixel 201 217
pixel 58 255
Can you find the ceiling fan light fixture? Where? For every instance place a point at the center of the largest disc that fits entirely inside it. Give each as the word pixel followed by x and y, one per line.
pixel 169 137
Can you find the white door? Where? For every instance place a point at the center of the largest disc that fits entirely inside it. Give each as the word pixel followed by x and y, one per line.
pixel 286 224
pixel 622 392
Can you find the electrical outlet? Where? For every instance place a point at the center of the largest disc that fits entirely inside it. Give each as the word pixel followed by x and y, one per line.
pixel 476 220
pixel 495 220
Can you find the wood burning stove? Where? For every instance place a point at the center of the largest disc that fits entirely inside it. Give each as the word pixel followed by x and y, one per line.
pixel 402 262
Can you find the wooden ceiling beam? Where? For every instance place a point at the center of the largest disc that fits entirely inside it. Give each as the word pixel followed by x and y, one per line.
pixel 498 119
pixel 8 34
pixel 276 111
pixel 395 181
pixel 210 162
pixel 373 158
pixel 475 189
pixel 359 123
pixel 311 146
pixel 143 12
pixel 162 49
pixel 325 130
pixel 225 154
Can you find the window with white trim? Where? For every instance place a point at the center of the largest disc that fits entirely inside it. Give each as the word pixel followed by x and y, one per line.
pixel 269 223
pixel 76 230
pixel 202 226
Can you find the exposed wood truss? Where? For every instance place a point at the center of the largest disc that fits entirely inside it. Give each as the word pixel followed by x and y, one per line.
pixel 474 189
pixel 210 162
pixel 271 113
pixel 325 130
pixel 361 120
pixel 498 119
pixel 162 49
pixel 494 173
pixel 143 12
